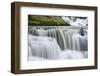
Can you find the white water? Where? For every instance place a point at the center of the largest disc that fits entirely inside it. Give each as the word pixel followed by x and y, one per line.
pixel 42 47
pixel 77 22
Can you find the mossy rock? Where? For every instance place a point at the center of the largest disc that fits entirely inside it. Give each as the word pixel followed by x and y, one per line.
pixel 36 20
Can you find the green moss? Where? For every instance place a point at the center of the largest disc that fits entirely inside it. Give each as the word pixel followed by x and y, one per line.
pixel 34 20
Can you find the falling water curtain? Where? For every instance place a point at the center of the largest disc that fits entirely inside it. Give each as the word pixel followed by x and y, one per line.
pixel 69 39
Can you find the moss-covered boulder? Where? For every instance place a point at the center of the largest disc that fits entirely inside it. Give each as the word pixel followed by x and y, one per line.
pixel 36 20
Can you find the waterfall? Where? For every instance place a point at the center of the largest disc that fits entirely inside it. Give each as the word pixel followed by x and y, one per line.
pixel 56 43
pixel 59 36
pixel 45 47
pixel 74 41
pixel 68 38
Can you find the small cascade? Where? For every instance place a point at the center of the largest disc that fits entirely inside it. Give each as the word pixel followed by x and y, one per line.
pixel 44 47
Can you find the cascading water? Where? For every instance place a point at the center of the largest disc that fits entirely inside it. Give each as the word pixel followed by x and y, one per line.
pixel 44 47
pixel 56 44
